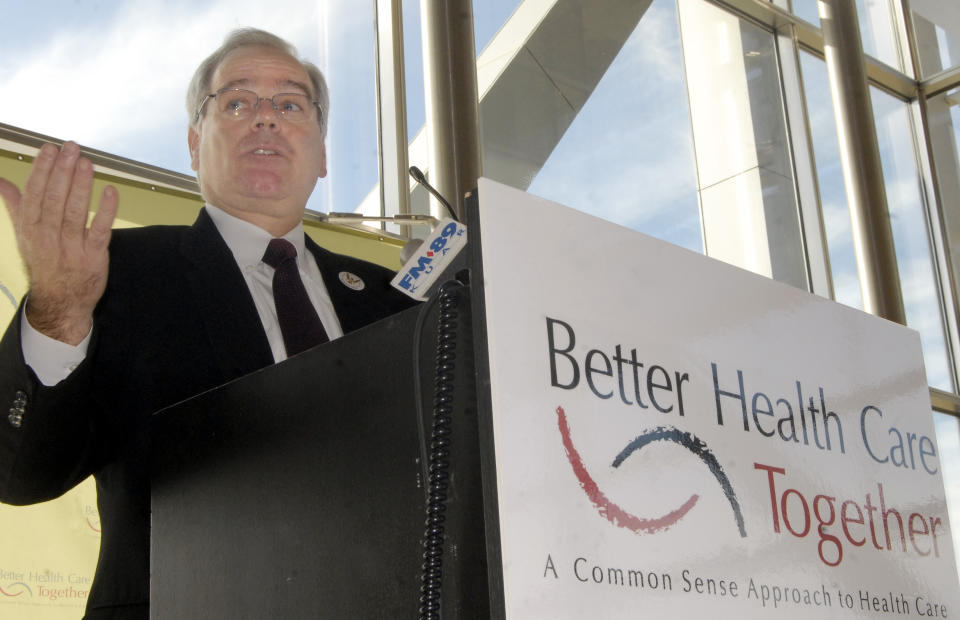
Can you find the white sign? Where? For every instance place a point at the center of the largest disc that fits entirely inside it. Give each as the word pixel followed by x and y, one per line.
pixel 675 436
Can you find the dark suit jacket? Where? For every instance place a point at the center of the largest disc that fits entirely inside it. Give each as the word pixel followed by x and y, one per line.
pixel 176 319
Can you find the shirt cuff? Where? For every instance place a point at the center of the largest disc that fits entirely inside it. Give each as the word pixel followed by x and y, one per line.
pixel 50 359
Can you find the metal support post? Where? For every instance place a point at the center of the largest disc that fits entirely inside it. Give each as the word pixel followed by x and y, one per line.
pixel 860 156
pixel 450 78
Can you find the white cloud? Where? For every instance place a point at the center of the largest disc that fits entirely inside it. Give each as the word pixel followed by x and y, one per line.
pixel 656 46
pixel 836 221
pixel 846 288
pixel 120 80
pixel 628 155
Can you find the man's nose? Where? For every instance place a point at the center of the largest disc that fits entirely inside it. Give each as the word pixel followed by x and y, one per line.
pixel 266 115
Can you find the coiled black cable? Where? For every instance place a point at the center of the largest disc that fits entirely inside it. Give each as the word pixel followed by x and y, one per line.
pixel 439 457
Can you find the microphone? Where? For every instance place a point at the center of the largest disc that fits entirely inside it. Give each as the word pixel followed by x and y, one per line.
pixel 425 262
pixel 419 177
pixel 425 266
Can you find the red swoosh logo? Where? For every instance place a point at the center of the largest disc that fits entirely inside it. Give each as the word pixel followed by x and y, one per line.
pixel 25 588
pixel 608 509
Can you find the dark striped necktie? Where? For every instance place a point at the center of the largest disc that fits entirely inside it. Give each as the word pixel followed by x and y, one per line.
pixel 299 323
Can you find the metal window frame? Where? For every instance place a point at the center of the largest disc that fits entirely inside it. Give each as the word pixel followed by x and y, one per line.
pixel 391 110
pixel 793 35
pixel 796 32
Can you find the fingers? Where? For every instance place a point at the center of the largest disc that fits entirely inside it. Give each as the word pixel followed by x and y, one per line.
pixel 32 202
pixel 54 210
pixel 99 234
pixel 48 187
pixel 59 185
pixel 73 220
pixel 10 194
pixel 56 200
pixel 55 204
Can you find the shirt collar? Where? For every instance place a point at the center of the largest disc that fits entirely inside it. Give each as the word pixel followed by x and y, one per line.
pixel 247 241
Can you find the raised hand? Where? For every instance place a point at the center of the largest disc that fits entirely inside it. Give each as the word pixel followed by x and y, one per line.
pixel 66 261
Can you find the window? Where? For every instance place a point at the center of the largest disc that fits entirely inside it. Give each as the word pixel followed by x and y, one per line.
pixel 936 27
pixel 113 76
pixel 904 199
pixel 948 440
pixel 625 151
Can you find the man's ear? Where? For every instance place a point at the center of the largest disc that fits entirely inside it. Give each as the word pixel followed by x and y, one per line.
pixel 193 140
pixel 322 172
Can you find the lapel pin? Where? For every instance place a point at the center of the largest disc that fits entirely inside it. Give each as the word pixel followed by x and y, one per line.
pixel 351 281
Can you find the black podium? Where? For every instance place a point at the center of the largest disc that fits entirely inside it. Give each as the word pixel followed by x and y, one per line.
pixel 297 491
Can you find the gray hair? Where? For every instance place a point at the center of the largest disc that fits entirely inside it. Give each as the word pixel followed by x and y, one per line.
pixel 200 84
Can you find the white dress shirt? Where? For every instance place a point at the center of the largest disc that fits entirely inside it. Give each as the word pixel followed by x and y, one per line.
pixel 53 361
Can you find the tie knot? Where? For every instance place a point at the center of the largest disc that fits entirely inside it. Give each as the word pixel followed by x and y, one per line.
pixel 278 252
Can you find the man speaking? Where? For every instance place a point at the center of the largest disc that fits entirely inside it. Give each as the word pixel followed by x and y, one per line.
pixel 119 324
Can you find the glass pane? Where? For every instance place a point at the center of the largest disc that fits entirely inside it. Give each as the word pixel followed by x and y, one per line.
pixel 352 157
pixel 936 26
pixel 905 202
pixel 943 117
pixel 488 17
pixel 914 260
pixel 744 172
pixel 948 440
pixel 413 68
pixel 877 31
pixel 806 10
pixel 137 58
pixel 833 199
pixel 877 28
pixel 627 156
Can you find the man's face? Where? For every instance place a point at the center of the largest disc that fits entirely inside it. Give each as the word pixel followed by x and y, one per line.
pixel 263 168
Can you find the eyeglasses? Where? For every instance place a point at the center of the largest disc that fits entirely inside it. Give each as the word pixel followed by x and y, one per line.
pixel 241 104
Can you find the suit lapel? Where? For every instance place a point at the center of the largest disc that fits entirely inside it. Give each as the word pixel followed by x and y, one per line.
pixel 353 307
pixel 230 318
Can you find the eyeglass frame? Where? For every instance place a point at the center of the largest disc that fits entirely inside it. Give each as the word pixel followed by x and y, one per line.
pixel 273 104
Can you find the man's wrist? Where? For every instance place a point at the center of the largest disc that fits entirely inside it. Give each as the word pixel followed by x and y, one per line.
pixel 52 360
pixel 57 321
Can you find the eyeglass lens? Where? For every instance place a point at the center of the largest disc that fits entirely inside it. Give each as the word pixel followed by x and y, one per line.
pixel 240 103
